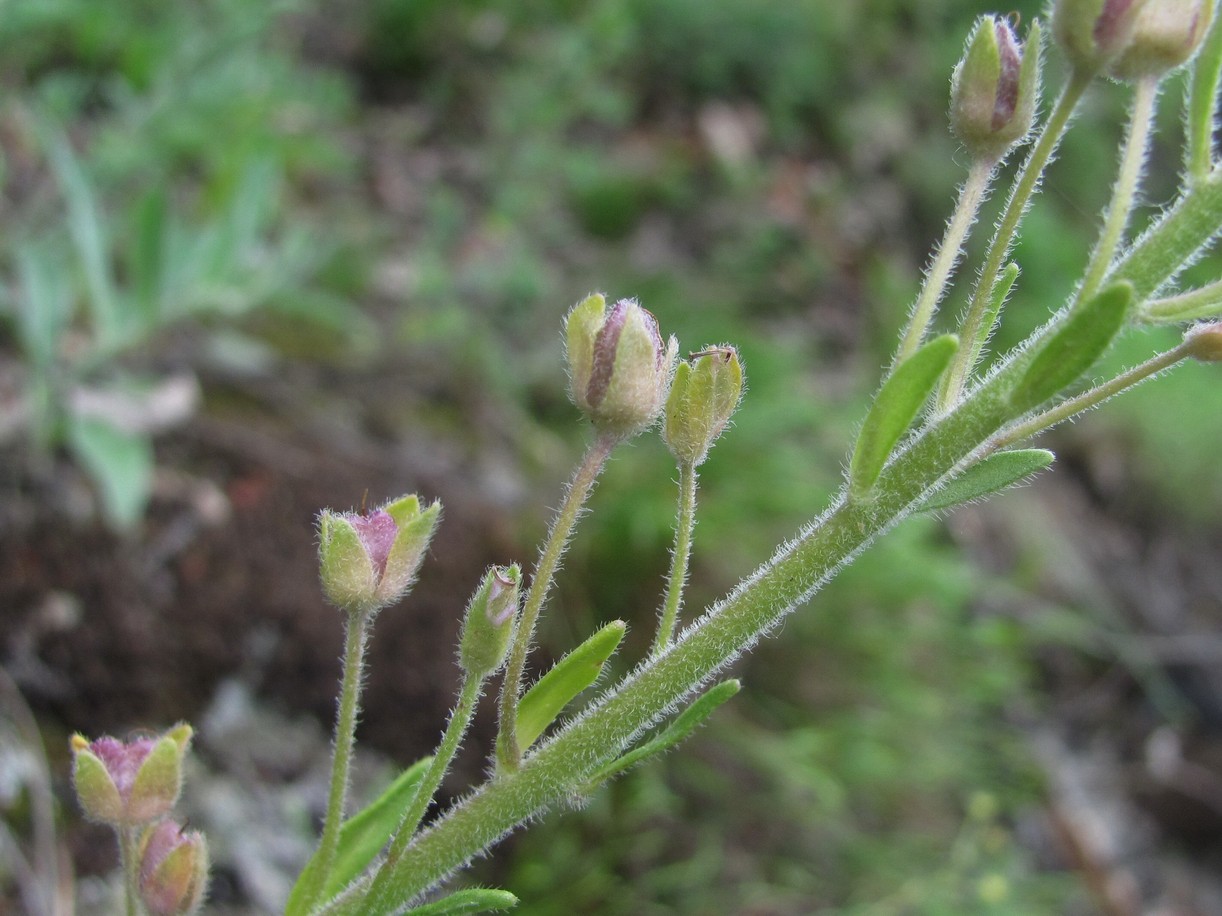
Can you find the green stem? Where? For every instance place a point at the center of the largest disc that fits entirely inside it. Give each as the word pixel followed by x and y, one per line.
pixel 1174 241
pixel 508 752
pixel 1124 194
pixel 460 720
pixel 1204 302
pixel 972 330
pixel 1088 399
pixel 567 761
pixel 677 580
pixel 1203 102
pixel 131 868
pixel 355 633
pixel 966 208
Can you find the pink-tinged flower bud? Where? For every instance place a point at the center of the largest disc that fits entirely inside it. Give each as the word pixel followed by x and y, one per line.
pixel 369 561
pixel 490 622
pixel 703 397
pixel 1093 32
pixel 125 783
pixel 619 368
pixel 173 869
pixel 1166 34
pixel 1204 342
pixel 995 88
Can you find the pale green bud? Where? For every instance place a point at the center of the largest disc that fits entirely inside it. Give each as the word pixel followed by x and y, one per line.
pixel 1166 34
pixel 704 395
pixel 1204 342
pixel 1092 33
pixel 490 621
pixel 368 561
pixel 619 368
pixel 173 869
pixel 995 88
pixel 126 783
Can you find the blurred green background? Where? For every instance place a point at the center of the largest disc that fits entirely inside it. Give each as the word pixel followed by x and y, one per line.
pixel 418 189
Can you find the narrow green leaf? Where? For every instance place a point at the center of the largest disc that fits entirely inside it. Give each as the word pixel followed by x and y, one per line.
pixel 361 837
pixel 678 730
pixel 1075 347
pixel 148 258
pixel 121 463
pixel 43 306
pixel 991 474
pixel 85 226
pixel 895 407
pixel 1001 292
pixel 471 900
pixel 571 675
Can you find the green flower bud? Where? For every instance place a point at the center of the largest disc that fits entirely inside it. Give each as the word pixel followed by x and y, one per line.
pixel 703 396
pixel 619 369
pixel 995 88
pixel 490 621
pixel 368 561
pixel 1093 32
pixel 1166 33
pixel 1204 342
pixel 173 869
pixel 128 783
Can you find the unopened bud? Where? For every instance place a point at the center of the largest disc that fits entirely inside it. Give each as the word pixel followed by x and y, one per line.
pixel 1166 34
pixel 126 783
pixel 995 88
pixel 368 561
pixel 490 621
pixel 173 869
pixel 1204 342
pixel 619 367
pixel 703 396
pixel 1092 33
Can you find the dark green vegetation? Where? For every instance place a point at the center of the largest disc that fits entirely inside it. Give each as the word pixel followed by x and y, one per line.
pixel 203 190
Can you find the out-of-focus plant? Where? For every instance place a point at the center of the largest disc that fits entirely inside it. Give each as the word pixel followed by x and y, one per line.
pixel 941 430
pixel 172 216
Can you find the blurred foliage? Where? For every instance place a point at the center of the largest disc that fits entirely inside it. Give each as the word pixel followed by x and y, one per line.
pixel 189 164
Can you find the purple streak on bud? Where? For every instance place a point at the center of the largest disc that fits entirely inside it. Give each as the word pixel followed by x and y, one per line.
pixel 1008 79
pixel 1111 24
pixel 122 760
pixel 501 583
pixel 606 342
pixel 377 532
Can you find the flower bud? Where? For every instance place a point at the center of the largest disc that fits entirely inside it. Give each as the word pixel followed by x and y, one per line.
pixel 1166 33
pixel 128 783
pixel 703 396
pixel 1093 32
pixel 995 88
pixel 369 561
pixel 173 869
pixel 490 621
pixel 1204 342
pixel 619 369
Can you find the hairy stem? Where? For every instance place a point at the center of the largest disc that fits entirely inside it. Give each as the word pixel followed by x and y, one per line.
pixel 972 331
pixel 131 868
pixel 460 720
pixel 1203 103
pixel 355 632
pixel 677 580
pixel 508 753
pixel 949 250
pixel 1124 194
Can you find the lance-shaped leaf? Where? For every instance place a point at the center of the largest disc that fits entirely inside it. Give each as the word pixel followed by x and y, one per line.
pixel 989 475
pixel 679 729
pixel 361 838
pixel 470 900
pixel 571 675
pixel 895 407
pixel 1075 347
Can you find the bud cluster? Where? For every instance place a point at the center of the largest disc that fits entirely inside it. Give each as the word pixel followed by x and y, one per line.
pixel 134 785
pixel 1130 39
